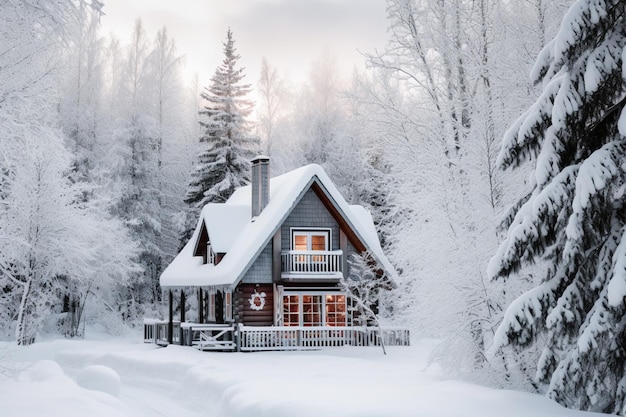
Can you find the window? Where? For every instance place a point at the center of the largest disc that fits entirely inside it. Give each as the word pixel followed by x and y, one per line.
pixel 210 305
pixel 314 309
pixel 291 310
pixel 335 310
pixel 228 306
pixel 311 310
pixel 310 240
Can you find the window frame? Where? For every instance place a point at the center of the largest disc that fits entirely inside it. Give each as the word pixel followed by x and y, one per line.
pixel 228 306
pixel 327 232
pixel 323 313
pixel 210 305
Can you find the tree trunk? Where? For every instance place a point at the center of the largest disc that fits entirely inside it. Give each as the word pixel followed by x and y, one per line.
pixel 22 330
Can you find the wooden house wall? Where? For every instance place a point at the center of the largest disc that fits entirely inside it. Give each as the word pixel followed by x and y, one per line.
pixel 248 316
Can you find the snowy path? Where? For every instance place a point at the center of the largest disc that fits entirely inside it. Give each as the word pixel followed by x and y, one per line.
pixel 182 382
pixel 153 398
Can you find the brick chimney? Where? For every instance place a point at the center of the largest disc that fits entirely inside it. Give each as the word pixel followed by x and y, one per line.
pixel 260 184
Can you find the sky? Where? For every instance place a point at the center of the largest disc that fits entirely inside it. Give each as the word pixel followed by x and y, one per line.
pixel 290 34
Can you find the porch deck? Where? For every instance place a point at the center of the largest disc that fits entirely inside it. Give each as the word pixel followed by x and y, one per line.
pixel 242 338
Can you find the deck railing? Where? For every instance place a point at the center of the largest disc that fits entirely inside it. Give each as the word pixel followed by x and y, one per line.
pixel 209 336
pixel 227 337
pixel 253 338
pixel 311 262
pixel 156 331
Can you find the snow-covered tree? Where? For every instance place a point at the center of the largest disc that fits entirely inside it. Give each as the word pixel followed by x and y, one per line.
pixel 81 90
pixel 271 104
pixel 572 222
pixel 223 164
pixel 51 240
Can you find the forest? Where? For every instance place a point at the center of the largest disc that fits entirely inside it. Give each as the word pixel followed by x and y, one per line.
pixel 485 138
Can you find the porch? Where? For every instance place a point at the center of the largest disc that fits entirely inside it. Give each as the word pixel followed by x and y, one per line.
pixel 227 337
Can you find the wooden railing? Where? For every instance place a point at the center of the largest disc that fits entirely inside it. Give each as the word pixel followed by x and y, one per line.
pixel 156 331
pixel 253 338
pixel 258 338
pixel 209 336
pixel 304 262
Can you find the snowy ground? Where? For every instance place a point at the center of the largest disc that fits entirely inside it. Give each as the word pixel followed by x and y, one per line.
pixel 127 378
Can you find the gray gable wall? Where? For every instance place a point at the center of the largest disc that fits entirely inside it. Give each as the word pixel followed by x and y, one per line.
pixel 261 270
pixel 310 212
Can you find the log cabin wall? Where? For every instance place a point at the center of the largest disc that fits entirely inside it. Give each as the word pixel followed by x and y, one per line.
pixel 248 316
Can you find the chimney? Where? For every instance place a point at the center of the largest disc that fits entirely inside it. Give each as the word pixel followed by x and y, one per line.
pixel 260 184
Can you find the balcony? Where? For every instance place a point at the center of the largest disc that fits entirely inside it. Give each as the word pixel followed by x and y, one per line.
pixel 303 265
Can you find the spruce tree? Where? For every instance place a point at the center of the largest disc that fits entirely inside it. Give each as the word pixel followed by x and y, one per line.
pixel 223 165
pixel 572 222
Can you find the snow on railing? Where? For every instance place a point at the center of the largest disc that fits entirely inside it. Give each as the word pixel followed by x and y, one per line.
pixel 254 338
pixel 209 336
pixel 311 262
pixel 257 338
pixel 156 331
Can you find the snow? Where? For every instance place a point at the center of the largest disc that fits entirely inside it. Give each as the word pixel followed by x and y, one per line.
pixel 621 123
pixel 100 378
pixel 183 382
pixel 224 224
pixel 617 285
pixel 249 238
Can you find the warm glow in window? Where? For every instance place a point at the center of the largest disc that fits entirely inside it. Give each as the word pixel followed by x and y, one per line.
pixel 311 310
pixel 228 306
pixel 291 310
pixel 310 240
pixel 301 242
pixel 318 242
pixel 315 309
pixel 336 310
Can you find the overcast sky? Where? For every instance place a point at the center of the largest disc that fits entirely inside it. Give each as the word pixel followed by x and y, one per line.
pixel 291 34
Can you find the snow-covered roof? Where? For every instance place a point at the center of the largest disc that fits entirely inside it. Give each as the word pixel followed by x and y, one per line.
pixel 224 223
pixel 232 231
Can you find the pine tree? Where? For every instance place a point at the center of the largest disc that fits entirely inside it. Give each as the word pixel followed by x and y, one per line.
pixel 573 221
pixel 223 165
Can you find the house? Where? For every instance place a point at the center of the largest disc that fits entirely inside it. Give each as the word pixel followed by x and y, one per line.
pixel 263 269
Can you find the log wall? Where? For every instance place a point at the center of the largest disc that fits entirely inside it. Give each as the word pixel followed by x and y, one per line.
pixel 248 316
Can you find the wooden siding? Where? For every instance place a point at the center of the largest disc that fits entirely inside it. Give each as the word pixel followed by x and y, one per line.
pixel 309 213
pixel 325 199
pixel 261 270
pixel 245 314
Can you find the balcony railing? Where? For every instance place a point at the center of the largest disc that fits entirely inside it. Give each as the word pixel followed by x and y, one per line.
pixel 303 263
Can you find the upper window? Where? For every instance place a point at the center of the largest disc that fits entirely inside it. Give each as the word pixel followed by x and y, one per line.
pixel 311 240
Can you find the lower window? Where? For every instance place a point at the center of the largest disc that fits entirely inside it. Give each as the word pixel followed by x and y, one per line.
pixel 314 309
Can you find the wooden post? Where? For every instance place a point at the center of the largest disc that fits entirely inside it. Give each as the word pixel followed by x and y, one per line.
pixel 182 315
pixel 200 305
pixel 170 323
pixel 276 257
pixel 238 335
